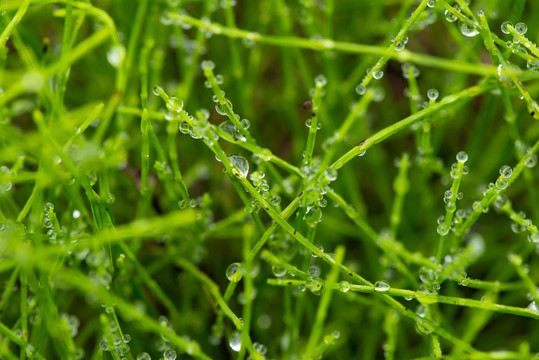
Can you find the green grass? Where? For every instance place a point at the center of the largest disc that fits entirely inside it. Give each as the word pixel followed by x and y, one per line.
pixel 269 179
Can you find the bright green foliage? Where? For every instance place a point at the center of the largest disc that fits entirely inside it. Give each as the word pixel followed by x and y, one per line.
pixel 160 196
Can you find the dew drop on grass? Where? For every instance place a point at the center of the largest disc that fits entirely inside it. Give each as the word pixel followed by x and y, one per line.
pixel 381 286
pixel 234 272
pixel 240 164
pixel 506 171
pixel 278 271
pixel 245 123
pixel 331 174
pixel 275 200
pixel 449 17
pixel 378 74
pixel 501 183
pixel 462 157
pixel 144 356
pixel 320 81
pixel 399 45
pixel 431 3
pixel 433 94
pixel 116 55
pixel 235 341
pixel 174 104
pixel 531 161
pixel 344 286
pixel 170 354
pixel 521 28
pixel 360 89
pixel 467 29
pixel 533 307
pixel 442 229
pixel 207 64
pixel 505 27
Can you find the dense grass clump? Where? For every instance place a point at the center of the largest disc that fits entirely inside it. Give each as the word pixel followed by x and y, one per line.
pixel 269 179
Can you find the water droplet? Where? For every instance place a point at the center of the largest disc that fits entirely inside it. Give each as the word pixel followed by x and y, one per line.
pixel 313 270
pixel 126 338
pixel 448 194
pixel 467 29
pixel 174 104
pixel 344 286
pixel 531 161
pixel 505 28
pixel 245 123
pixel 381 286
pixel 521 28
pixel 320 81
pixel 433 94
pixel 506 171
pixel 360 89
pixel 407 68
pixel 278 271
pixel 207 64
pixel 144 356
pixel 234 272
pixel 170 354
pixel 462 157
pixel 331 174
pixel 501 183
pixel 275 200
pixel 431 3
pixel 235 341
pixel 378 74
pixel 308 123
pixel 313 216
pixel 219 79
pixel 116 55
pixel 450 17
pixel 533 307
pixel 399 45
pixel 443 229
pixel 450 206
pixel 240 164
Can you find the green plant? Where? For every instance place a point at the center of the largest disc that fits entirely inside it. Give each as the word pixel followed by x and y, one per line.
pixel 135 222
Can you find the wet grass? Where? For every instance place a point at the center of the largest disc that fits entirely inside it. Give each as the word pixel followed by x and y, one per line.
pixel 268 179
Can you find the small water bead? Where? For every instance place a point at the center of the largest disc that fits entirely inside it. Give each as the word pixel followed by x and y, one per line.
pixel 144 356
pixel 275 200
pixel 240 163
pixel 477 206
pixel 443 229
pixel 245 123
pixel 320 81
pixel 331 174
pixel 449 16
pixel 116 55
pixel 531 161
pixel 207 64
pixel 361 90
pixel 170 354
pixel 533 237
pixel 278 271
pixel 126 338
pixel 174 104
pixel 506 171
pixel 399 45
pixel 467 29
pixel 308 123
pixel 505 27
pixel 313 270
pixel 381 286
pixel 433 94
pixel 219 79
pixel 407 68
pixel 533 307
pixel 260 348
pixel 344 286
pixel 460 195
pixel 521 28
pixel 501 183
pixel 234 272
pixel 450 206
pixel 448 194
pixel 431 3
pixel 462 157
pixel 378 74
